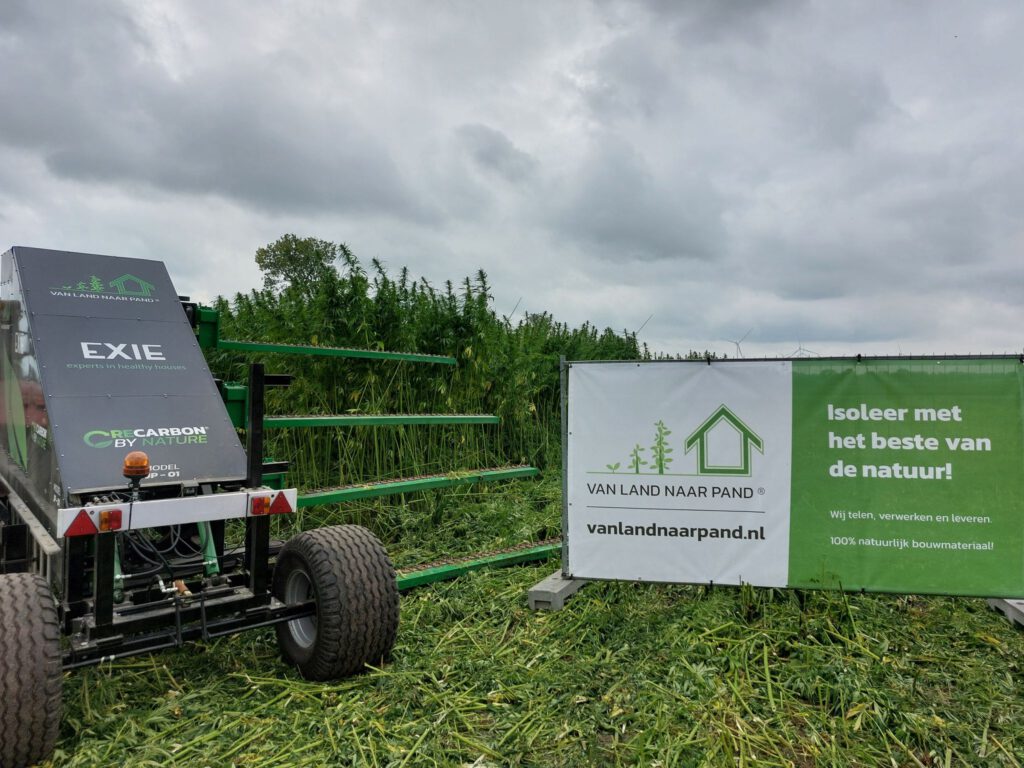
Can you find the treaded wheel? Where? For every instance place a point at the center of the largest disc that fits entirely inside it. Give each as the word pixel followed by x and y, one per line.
pixel 347 572
pixel 30 670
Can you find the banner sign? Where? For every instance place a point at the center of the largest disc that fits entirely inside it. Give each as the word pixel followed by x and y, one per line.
pixel 883 475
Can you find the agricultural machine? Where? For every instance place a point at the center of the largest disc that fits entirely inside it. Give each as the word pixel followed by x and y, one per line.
pixel 131 517
pixel 122 480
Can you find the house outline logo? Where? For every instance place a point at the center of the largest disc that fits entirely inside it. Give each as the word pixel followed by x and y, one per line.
pixel 698 440
pixel 120 284
pixel 127 287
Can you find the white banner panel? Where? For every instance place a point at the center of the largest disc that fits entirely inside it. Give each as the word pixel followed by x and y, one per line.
pixel 679 472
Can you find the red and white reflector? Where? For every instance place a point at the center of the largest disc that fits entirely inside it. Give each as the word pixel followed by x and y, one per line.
pixel 280 505
pixel 277 504
pixel 82 525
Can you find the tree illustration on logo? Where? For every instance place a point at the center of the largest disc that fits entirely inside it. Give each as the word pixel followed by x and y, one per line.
pixel 96 285
pixel 660 450
pixel 613 468
pixel 80 286
pixel 636 460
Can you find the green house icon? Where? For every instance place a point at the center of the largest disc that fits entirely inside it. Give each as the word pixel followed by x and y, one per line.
pixel 130 285
pixel 726 428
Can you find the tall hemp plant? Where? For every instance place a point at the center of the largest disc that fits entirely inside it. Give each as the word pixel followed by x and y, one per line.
pixel 318 293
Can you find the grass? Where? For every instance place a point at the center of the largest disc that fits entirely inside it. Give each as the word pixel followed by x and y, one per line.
pixel 625 675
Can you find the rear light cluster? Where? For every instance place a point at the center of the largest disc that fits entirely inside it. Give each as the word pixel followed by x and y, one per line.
pixel 83 524
pixel 108 520
pixel 267 505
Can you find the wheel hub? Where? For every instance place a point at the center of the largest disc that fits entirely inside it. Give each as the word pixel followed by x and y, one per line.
pixel 298 588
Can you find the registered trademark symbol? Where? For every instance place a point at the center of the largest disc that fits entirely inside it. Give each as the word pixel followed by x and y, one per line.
pixel 760 491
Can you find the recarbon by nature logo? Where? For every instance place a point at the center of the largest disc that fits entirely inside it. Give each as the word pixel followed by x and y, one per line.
pixel 145 437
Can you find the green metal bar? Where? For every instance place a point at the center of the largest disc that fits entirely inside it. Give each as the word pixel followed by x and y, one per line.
pixel 429 482
pixel 380 419
pixel 303 349
pixel 236 400
pixel 208 327
pixel 210 565
pixel 444 572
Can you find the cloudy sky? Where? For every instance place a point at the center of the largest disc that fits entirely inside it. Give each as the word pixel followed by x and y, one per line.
pixel 834 177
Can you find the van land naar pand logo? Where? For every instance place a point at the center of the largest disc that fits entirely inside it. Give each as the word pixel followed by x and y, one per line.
pixel 123 288
pixel 722 445
pixel 145 437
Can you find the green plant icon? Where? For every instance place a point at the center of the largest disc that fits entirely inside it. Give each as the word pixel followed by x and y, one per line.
pixel 660 450
pixel 636 460
pixel 613 468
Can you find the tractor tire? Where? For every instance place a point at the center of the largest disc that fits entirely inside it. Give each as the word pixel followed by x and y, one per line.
pixel 30 670
pixel 346 571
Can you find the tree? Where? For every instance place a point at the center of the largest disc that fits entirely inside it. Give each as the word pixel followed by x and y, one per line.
pixel 298 261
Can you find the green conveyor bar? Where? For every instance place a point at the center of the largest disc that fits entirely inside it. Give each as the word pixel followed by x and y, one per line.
pixel 304 349
pixel 425 483
pixel 373 420
pixel 454 570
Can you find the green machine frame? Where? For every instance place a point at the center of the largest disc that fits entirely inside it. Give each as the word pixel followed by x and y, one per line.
pixel 207 324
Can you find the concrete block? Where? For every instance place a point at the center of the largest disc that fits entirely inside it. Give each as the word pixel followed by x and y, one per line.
pixel 1013 610
pixel 551 593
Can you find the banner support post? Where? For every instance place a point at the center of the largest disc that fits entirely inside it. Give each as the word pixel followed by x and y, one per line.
pixel 551 593
pixel 563 374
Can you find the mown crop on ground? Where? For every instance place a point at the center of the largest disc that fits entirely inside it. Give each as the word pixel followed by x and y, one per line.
pixel 625 675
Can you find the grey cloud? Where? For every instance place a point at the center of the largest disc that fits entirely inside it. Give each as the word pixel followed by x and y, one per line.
pixel 247 135
pixel 627 77
pixel 897 208
pixel 832 106
pixel 492 151
pixel 802 168
pixel 714 21
pixel 826 265
pixel 617 207
pixel 224 140
pixel 833 324
pixel 65 73
pixel 798 271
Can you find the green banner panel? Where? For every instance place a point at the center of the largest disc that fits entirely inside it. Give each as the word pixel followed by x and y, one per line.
pixel 908 476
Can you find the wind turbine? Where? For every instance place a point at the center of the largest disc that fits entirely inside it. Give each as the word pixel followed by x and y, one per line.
pixel 739 350
pixel 802 351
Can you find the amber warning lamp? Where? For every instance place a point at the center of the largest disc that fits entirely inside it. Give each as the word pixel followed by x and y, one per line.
pixel 136 464
pixel 136 467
